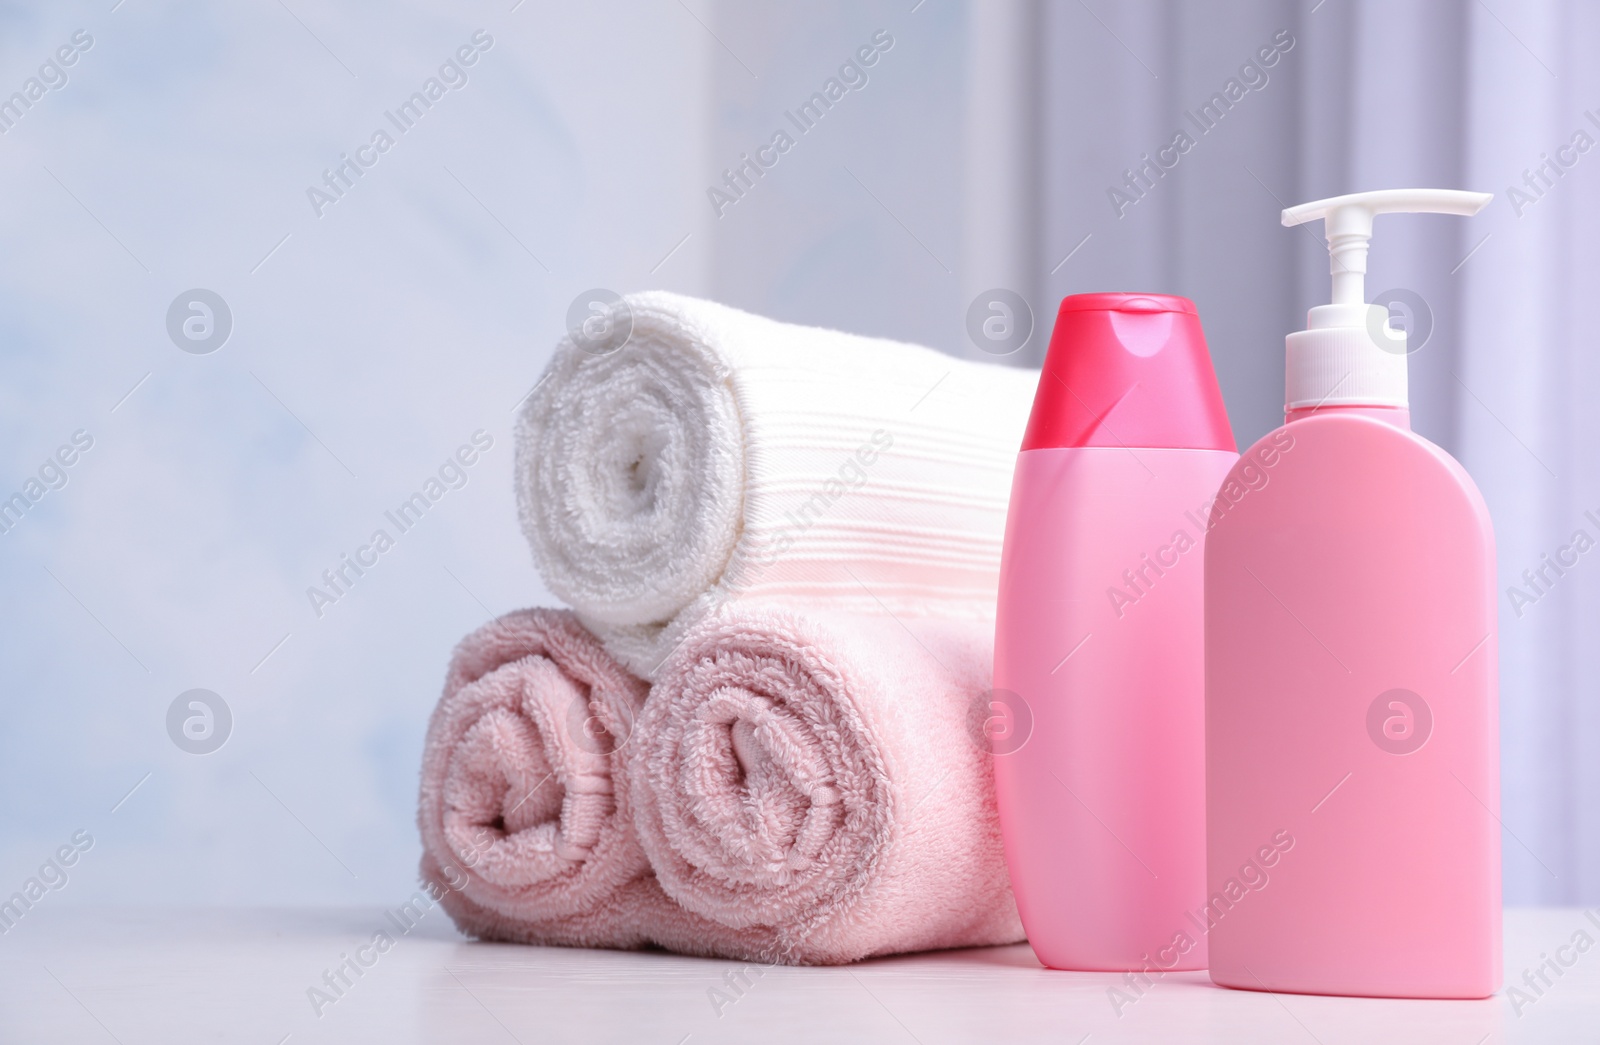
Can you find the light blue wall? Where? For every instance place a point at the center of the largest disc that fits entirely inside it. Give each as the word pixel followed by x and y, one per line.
pixel 392 327
pixel 414 311
pixel 420 307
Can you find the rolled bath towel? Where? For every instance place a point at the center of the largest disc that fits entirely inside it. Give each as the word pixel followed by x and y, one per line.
pixel 716 454
pixel 526 831
pixel 816 782
pixel 518 812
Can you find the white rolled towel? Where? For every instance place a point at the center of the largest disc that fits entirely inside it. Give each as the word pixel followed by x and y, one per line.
pixel 715 455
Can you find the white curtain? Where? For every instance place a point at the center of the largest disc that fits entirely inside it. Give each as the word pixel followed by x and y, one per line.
pixel 984 155
pixel 1372 95
pixel 1532 440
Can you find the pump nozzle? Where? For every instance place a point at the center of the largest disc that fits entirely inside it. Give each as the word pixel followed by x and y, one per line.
pixel 1347 221
pixel 1347 356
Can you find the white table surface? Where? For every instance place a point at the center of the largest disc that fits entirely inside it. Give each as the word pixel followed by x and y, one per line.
pixel 209 975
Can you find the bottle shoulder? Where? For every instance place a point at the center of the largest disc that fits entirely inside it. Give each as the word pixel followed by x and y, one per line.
pixel 1347 458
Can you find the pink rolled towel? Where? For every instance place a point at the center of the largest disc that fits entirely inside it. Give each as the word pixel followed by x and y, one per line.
pixel 814 782
pixel 526 831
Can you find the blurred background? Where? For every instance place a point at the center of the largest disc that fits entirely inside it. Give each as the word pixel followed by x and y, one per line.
pixel 359 325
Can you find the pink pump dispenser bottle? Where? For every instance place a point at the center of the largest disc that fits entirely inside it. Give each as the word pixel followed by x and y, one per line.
pixel 1099 680
pixel 1352 739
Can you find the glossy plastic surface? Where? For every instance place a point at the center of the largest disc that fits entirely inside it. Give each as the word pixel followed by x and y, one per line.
pixel 1099 678
pixel 1128 370
pixel 1351 718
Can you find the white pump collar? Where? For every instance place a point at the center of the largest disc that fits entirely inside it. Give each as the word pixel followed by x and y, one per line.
pixel 1349 354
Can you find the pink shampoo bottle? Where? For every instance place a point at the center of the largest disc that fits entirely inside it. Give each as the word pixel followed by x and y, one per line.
pixel 1352 739
pixel 1098 707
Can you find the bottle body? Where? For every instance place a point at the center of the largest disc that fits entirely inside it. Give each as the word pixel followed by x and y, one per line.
pixel 1352 718
pixel 1099 641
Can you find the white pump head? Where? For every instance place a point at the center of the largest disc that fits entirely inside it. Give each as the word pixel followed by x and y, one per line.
pixel 1348 354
